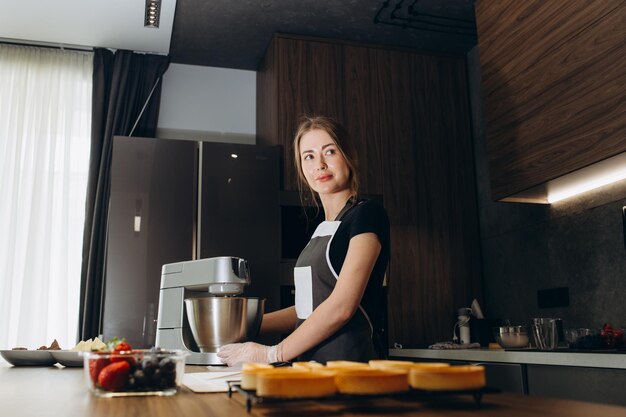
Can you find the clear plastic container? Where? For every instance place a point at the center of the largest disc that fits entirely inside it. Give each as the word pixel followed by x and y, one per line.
pixel 133 373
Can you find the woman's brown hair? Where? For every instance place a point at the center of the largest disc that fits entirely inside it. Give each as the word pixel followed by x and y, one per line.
pixel 341 138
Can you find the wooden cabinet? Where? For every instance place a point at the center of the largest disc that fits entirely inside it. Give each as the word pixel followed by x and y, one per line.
pixel 408 113
pixel 598 385
pixel 554 82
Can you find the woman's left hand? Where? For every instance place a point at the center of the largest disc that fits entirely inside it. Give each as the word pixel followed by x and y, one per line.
pixel 247 352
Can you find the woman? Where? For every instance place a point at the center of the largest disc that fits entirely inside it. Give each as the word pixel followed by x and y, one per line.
pixel 339 310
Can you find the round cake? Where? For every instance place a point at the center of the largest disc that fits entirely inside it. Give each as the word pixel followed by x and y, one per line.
pixel 371 381
pixel 249 372
pixel 293 383
pixel 346 364
pixel 311 365
pixel 406 365
pixel 447 378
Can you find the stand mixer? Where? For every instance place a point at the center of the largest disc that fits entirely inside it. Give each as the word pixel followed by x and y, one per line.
pixel 200 307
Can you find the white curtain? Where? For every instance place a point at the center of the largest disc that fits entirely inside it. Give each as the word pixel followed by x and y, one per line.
pixel 45 127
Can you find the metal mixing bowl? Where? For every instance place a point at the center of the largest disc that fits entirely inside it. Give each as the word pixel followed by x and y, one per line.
pixel 217 321
pixel 512 337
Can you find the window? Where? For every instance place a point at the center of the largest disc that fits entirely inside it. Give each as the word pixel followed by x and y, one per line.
pixel 45 125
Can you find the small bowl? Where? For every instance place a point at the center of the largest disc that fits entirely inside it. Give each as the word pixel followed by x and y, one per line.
pixel 20 357
pixel 68 358
pixel 149 372
pixel 512 337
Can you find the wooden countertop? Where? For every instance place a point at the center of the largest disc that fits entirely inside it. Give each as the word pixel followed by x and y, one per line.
pixel 57 391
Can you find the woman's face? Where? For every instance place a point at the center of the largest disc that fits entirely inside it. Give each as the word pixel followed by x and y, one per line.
pixel 323 166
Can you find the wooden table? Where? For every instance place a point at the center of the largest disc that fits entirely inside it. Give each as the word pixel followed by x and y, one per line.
pixel 57 391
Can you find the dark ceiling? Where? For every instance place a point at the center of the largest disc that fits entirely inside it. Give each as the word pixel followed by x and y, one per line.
pixel 235 33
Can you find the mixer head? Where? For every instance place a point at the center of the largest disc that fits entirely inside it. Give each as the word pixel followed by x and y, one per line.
pixel 222 276
pixel 229 276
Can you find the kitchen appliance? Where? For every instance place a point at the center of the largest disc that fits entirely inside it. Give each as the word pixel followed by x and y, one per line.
pixel 201 307
pixel 512 337
pixel 547 333
pixel 463 326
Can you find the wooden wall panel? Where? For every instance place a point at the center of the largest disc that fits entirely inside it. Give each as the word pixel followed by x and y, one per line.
pixel 430 195
pixel 296 78
pixel 401 195
pixel 266 98
pixel 361 118
pixel 554 83
pixel 310 82
pixel 408 113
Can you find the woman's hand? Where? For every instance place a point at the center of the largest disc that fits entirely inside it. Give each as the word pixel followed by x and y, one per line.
pixel 248 352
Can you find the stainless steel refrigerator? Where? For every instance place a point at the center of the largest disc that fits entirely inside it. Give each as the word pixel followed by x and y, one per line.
pixel 177 200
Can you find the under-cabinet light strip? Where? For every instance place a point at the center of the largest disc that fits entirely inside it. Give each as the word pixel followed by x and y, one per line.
pixel 590 178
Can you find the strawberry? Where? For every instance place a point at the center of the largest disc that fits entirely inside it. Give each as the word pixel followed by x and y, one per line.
pixel 95 366
pixel 114 376
pixel 121 349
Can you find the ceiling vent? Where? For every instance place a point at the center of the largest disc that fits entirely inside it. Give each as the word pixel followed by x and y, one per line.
pixel 409 16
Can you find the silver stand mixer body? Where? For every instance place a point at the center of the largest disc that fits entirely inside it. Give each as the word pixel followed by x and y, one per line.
pixel 210 279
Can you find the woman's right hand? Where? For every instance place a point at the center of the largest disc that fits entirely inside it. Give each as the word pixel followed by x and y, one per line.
pixel 248 352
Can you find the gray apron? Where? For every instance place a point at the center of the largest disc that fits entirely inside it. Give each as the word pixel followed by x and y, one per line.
pixel 315 279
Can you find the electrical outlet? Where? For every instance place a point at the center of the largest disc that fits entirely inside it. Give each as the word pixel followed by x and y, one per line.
pixel 553 297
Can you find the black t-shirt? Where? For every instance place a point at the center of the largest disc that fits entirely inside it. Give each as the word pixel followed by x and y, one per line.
pixel 366 216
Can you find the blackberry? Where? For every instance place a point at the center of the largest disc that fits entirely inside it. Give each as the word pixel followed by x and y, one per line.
pixel 140 378
pixel 149 366
pixel 167 366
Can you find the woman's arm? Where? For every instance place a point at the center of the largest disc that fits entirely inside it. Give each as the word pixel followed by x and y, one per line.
pixel 339 307
pixel 280 321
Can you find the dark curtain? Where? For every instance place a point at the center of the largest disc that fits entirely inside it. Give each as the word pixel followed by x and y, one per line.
pixel 122 83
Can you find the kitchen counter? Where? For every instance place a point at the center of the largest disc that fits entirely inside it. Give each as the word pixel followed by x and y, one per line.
pixel 589 360
pixel 29 391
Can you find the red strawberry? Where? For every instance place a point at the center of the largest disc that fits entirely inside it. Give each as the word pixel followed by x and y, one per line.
pixel 120 350
pixel 114 376
pixel 122 347
pixel 95 366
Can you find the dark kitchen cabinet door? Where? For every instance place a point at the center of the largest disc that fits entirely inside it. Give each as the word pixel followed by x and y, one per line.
pixel 240 213
pixel 553 85
pixel 600 385
pixel 408 113
pixel 151 221
pixel 430 196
